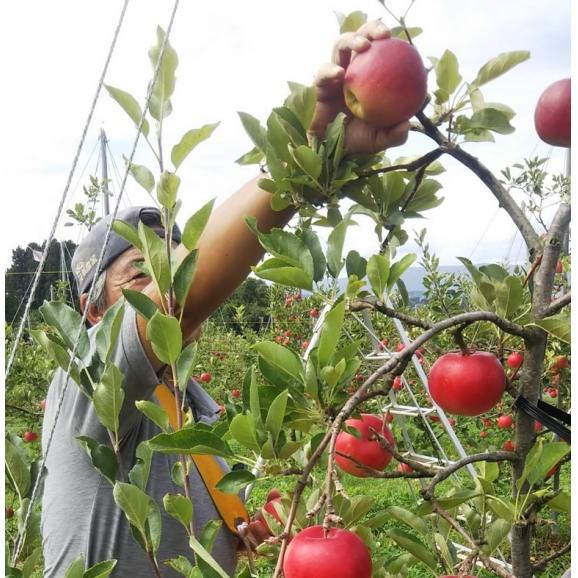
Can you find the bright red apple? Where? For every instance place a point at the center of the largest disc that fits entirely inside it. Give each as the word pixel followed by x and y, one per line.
pixel 552 116
pixel 205 377
pixel 314 312
pixel 30 436
pixel 366 450
pixel 404 468
pixel 235 393
pixel 515 359
pixel 560 362
pixel 397 383
pixel 385 84
pixel 468 384
pixel 505 421
pixel 509 446
pixel 342 554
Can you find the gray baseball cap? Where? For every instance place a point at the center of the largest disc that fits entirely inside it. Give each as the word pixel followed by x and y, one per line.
pixel 87 253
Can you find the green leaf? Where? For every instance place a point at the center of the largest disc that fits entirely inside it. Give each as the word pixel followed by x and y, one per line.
pixel 312 242
pixel 16 469
pixel 330 334
pixel 186 365
pixel 278 271
pixel 253 157
pixel 164 333
pixel 179 507
pixel 155 256
pixel 242 428
pixel 255 131
pixel 302 102
pixel 203 555
pixel 68 323
pixel 442 545
pixel 561 503
pixel 130 105
pixel 417 523
pixel 133 502
pixel 335 248
pixel 143 304
pixel 108 330
pixel 108 398
pixel 127 232
pixel 495 534
pixel 559 326
pixel 209 534
pixel 352 22
pixel 490 471
pixel 284 246
pixel 160 106
pixel 190 441
pixel 143 177
pixel 447 73
pixel 276 414
pixel 155 413
pixel 76 569
pixel 235 481
pixel 139 474
pixel 399 268
pixel 308 160
pixel 189 141
pixel 501 508
pixel 355 264
pixel 414 547
pixel 499 65
pixel 509 296
pixel 551 454
pixel 100 569
pixel 58 354
pixel 378 274
pixel 102 457
pixel 195 225
pixel 167 189
pixel 30 564
pixel 184 277
pixel 491 119
pixel 282 359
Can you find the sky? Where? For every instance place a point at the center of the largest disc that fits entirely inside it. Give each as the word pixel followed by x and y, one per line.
pixel 239 56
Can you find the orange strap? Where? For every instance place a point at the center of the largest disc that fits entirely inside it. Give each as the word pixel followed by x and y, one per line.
pixel 229 506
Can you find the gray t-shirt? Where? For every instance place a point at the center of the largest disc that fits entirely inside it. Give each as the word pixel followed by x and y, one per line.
pixel 79 514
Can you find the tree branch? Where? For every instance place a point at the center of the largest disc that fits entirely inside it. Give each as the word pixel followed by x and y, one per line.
pixel 427 159
pixel 369 303
pixel 541 565
pixel 557 305
pixel 505 200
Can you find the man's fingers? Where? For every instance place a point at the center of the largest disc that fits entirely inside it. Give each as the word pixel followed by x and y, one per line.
pixel 329 81
pixel 358 41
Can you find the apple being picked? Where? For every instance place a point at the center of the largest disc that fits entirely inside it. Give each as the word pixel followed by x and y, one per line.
pixel 385 84
pixel 273 497
pixel 467 384
pixel 552 116
pixel 340 554
pixel 366 450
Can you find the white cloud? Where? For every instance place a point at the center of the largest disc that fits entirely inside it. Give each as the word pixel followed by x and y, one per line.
pixel 238 56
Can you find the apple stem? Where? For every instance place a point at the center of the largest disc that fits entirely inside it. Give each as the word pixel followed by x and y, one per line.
pixel 459 339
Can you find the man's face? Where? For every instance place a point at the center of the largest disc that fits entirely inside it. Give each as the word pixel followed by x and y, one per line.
pixel 122 274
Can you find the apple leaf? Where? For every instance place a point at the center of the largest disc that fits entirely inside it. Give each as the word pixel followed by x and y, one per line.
pixel 255 131
pixel 108 330
pixel 102 457
pixel 243 430
pixel 164 333
pixel 276 414
pixel 190 441
pixel 495 534
pixel 352 22
pixel 167 189
pixel 312 242
pixel 330 334
pixel 189 141
pixel 130 105
pixel 142 176
pixel 155 413
pixel 355 264
pixel 164 86
pixel 139 473
pixel 378 274
pixel 278 271
pixel 195 225
pixel 143 304
pixel 100 569
pixel 133 502
pixel 68 323
pixel 559 326
pixel 234 482
pixel 414 547
pixel 302 102
pixel 447 73
pixel 155 256
pixel 184 277
pixel 76 569
pixel 179 507
pixel 399 268
pixel 108 397
pixel 499 65
pixel 17 470
pixel 335 244
pixel 202 555
pixel 127 232
pixel 282 359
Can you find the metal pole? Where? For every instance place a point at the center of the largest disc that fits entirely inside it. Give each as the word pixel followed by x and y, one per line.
pixel 103 141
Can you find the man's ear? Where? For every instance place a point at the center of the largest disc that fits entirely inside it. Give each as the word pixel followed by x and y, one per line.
pixel 93 316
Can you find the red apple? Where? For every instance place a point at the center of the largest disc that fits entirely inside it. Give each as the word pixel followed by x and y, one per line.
pixel 483 434
pixel 366 450
pixel 314 312
pixel 389 417
pixel 515 359
pixel 553 392
pixel 559 268
pixel 341 554
pixel 30 436
pixel 537 426
pixel 205 377
pixel 560 362
pixel 399 347
pixel 509 446
pixel 9 512
pixel 467 384
pixel 269 507
pixel 235 393
pixel 404 468
pixel 397 383
pixel 552 114
pixel 385 84
pixel 505 421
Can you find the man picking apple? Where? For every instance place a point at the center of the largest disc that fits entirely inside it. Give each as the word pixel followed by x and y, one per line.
pixel 79 514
